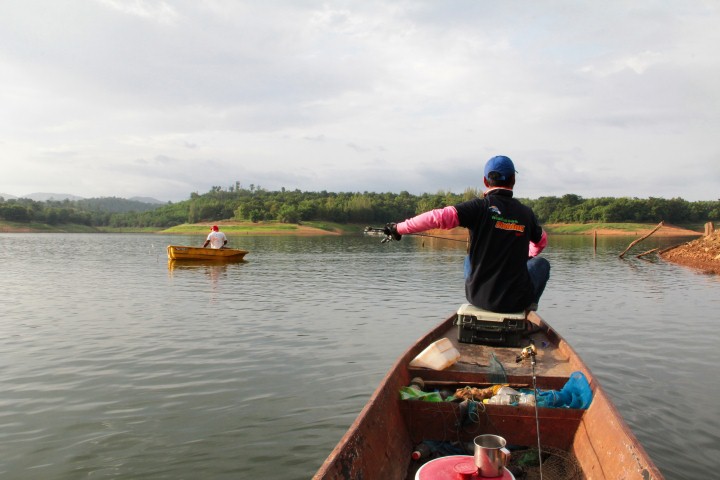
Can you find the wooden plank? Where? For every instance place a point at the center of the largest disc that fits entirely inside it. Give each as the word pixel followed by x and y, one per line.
pixel 444 422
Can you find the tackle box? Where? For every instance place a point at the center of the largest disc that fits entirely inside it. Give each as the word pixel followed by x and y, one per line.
pixel 479 326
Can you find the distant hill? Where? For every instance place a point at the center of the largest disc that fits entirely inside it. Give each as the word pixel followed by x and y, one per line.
pixel 99 204
pixel 116 205
pixel 57 197
pixel 147 200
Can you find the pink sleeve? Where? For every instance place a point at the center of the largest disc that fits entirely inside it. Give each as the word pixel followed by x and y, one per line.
pixel 536 248
pixel 445 218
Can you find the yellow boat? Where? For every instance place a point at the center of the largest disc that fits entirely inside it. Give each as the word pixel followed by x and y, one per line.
pixel 179 252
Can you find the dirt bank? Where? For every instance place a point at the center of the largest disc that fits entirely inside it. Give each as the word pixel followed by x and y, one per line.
pixel 232 228
pixel 702 254
pixel 620 229
pixel 13 229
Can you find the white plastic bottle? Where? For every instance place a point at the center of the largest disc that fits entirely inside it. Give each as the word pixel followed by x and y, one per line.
pixel 506 390
pixel 501 399
pixel 527 399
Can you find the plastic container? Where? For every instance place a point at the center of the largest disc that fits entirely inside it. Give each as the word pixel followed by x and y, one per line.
pixel 527 399
pixel 507 390
pixel 503 399
pixel 437 356
pixel 505 395
pixel 465 470
pixel 418 384
pixel 512 399
pixel 422 450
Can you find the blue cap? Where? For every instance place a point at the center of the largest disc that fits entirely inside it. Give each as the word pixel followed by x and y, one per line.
pixel 502 165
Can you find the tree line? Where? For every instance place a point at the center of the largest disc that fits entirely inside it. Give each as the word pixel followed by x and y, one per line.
pixel 256 204
pixel 90 212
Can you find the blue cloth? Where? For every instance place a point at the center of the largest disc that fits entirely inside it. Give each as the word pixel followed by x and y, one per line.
pixel 575 394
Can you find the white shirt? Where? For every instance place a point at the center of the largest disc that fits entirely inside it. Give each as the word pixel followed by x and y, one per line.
pixel 217 239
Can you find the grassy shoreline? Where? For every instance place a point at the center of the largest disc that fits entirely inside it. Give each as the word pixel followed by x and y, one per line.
pixel 228 227
pixel 231 228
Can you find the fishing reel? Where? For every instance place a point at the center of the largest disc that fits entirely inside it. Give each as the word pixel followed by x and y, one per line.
pixel 528 352
pixel 379 232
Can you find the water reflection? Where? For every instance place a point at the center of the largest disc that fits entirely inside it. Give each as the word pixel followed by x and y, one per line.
pixel 215 271
pixel 216 265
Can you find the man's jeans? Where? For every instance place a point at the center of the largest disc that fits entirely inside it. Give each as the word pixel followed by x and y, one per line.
pixel 538 268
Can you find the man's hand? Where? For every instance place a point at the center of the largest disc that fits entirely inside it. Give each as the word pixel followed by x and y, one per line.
pixel 391 231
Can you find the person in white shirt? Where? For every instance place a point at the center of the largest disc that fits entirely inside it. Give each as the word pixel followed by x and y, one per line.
pixel 216 239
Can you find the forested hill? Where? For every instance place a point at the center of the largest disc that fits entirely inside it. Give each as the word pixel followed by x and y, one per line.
pixel 87 211
pixel 115 205
pixel 256 204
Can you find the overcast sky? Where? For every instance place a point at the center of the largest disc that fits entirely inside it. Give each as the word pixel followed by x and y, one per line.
pixel 163 98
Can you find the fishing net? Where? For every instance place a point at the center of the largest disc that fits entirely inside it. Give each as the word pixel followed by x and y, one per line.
pixel 496 371
pixel 557 464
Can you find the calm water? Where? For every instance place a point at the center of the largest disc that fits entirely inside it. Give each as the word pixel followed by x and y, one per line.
pixel 115 365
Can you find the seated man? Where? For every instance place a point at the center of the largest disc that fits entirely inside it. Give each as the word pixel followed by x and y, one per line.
pixel 503 272
pixel 216 238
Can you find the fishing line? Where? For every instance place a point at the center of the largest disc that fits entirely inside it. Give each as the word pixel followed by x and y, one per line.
pixel 537 421
pixel 438 237
pixel 531 352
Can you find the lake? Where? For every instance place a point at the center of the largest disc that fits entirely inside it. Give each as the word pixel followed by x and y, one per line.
pixel 116 364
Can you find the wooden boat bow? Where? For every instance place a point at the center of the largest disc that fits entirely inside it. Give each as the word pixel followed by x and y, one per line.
pixel 379 443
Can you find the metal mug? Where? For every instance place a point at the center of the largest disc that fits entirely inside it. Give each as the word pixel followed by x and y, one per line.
pixel 491 456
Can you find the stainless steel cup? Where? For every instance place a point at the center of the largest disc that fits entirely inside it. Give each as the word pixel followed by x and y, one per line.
pixel 491 456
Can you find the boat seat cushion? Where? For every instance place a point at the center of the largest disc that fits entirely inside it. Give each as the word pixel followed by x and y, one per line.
pixel 468 310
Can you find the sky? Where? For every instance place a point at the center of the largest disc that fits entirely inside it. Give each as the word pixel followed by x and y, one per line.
pixel 163 98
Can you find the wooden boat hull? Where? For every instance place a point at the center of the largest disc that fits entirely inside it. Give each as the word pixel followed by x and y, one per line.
pixel 380 441
pixel 179 252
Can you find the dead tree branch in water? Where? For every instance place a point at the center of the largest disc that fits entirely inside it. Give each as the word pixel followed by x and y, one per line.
pixel 647 253
pixel 641 239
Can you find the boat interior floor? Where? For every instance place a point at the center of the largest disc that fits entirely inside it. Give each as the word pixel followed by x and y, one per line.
pixel 482 365
pixel 479 364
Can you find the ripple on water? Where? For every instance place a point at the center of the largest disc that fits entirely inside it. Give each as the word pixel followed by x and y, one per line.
pixel 117 364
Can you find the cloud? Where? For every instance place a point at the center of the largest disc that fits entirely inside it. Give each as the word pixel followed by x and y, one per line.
pixel 635 63
pixel 358 96
pixel 158 11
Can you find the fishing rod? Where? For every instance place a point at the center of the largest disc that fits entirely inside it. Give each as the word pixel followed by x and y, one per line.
pixel 388 238
pixel 531 352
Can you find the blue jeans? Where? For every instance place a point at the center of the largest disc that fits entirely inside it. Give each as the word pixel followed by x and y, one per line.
pixel 538 268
